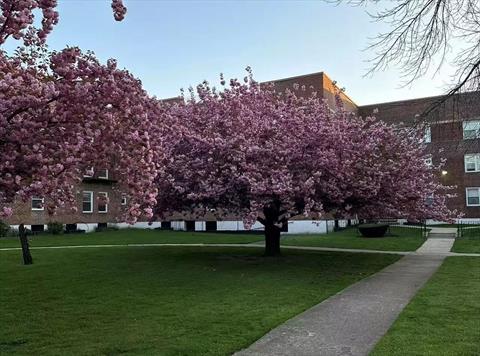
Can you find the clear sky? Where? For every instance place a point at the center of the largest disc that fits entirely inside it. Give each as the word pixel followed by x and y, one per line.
pixel 174 44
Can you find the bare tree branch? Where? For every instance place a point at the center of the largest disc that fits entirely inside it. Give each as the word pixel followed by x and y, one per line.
pixel 420 38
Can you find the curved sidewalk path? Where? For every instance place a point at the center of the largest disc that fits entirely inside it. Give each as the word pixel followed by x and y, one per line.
pixel 354 320
pixel 248 245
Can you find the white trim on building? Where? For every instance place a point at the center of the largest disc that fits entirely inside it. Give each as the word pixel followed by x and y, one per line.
pixel 37 204
pixel 472 196
pixel 90 201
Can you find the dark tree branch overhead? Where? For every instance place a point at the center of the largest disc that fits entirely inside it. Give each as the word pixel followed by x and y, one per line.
pixel 426 34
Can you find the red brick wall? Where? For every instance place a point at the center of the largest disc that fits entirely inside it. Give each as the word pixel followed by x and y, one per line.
pixel 24 214
pixel 446 136
pixel 319 83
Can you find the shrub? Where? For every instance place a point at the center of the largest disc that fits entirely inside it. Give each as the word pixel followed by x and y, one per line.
pixel 55 228
pixel 4 229
pixel 103 227
pixel 373 230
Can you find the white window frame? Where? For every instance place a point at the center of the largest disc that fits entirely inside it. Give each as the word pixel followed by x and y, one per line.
pixel 89 175
pixel 476 124
pixel 105 176
pixel 91 202
pixel 466 195
pixel 476 157
pixel 106 204
pixel 37 209
pixel 124 200
pixel 427 135
pixel 429 161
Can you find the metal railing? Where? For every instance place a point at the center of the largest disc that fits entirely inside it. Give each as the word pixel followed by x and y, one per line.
pixel 410 230
pixel 469 229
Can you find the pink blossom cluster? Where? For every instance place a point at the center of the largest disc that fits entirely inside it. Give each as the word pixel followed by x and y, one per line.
pixel 17 17
pixel 64 112
pixel 246 148
pixel 119 10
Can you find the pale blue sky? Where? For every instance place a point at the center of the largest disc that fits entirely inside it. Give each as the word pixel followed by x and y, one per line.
pixel 174 44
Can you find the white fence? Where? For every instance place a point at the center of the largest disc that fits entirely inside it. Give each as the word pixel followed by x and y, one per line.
pixel 294 226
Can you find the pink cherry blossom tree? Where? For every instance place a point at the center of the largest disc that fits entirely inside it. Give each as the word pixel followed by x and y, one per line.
pixel 267 156
pixel 64 111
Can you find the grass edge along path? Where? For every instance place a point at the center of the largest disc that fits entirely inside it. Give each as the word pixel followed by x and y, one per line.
pixel 401 239
pixel 443 318
pixel 466 245
pixel 132 236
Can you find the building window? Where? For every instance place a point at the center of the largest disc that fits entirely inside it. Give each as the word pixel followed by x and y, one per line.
pixel 471 130
pixel 166 225
pixel 103 174
pixel 429 161
pixel 472 163
pixel 87 202
pixel 124 200
pixel 427 135
pixel 37 203
pixel 429 200
pixel 102 202
pixel 37 228
pixel 89 172
pixel 190 225
pixel 473 196
pixel 210 226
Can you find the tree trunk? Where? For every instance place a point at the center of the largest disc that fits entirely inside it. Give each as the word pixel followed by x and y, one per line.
pixel 272 222
pixel 27 257
pixel 272 240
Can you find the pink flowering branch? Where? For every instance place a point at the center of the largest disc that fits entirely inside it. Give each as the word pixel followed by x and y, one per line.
pixel 17 17
pixel 119 10
pixel 82 113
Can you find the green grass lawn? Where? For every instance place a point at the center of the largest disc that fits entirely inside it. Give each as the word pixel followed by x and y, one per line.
pixel 469 242
pixel 162 300
pixel 401 239
pixel 444 317
pixel 467 245
pixel 131 236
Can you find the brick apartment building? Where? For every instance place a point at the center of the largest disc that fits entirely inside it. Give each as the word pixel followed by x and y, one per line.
pixel 453 135
pixel 91 210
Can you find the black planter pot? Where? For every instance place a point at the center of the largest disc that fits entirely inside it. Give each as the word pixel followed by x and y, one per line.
pixel 373 230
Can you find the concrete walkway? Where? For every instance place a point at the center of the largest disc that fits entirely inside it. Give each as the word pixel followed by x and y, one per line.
pixel 354 320
pixel 436 246
pixel 303 248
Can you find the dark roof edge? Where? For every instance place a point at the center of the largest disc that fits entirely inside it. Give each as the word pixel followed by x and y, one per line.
pixel 294 77
pixel 416 99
